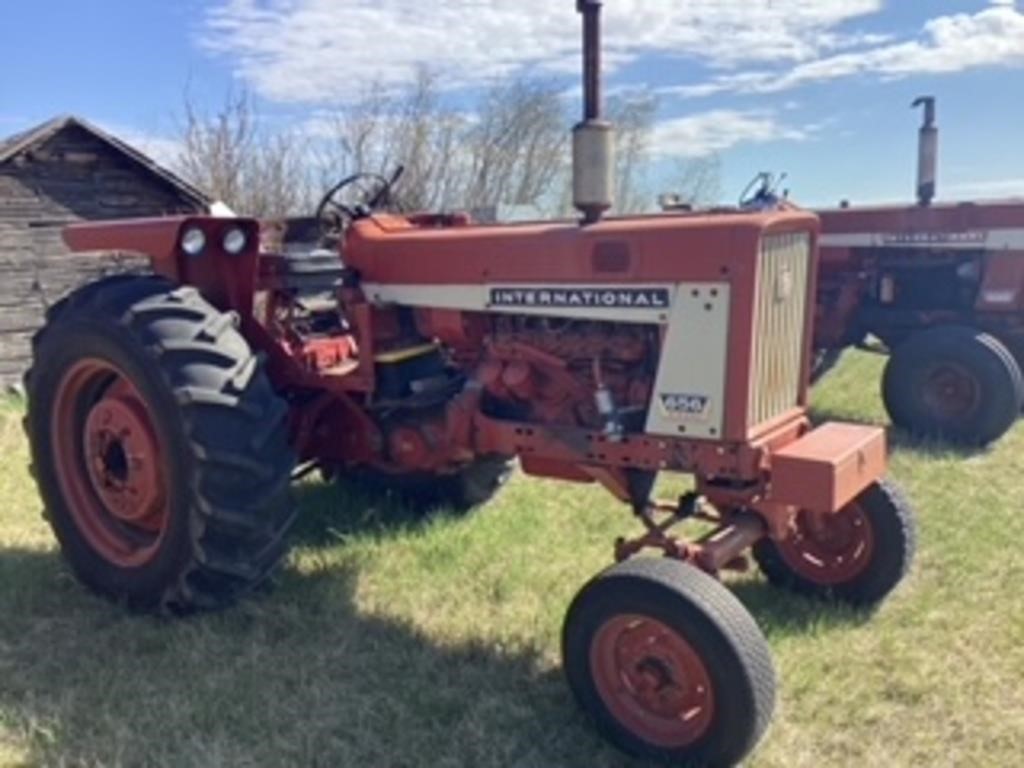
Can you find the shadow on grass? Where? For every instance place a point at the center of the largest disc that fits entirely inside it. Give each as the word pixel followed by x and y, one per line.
pixel 300 677
pixel 334 511
pixel 781 613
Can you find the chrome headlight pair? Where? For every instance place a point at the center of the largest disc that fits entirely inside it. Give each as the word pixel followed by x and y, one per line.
pixel 193 241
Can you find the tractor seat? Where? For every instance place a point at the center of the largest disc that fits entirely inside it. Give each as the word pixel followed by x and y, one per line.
pixel 304 272
pixel 295 259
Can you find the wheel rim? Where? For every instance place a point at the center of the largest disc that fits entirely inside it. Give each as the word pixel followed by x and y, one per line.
pixel 652 681
pixel 830 549
pixel 109 463
pixel 951 392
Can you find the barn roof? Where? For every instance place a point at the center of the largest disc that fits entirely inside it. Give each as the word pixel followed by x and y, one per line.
pixel 21 142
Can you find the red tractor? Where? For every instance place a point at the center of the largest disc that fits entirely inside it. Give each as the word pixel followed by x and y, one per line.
pixel 166 414
pixel 942 288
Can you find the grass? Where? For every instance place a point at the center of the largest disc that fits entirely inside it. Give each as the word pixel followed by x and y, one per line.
pixel 395 643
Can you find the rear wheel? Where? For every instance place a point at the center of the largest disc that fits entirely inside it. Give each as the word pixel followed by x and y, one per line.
pixel 857 555
pixel 158 445
pixel 953 383
pixel 472 486
pixel 669 664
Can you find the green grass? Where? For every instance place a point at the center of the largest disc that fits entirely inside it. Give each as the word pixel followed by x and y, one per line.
pixel 392 643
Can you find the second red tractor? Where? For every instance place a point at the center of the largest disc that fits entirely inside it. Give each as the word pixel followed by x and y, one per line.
pixel 940 288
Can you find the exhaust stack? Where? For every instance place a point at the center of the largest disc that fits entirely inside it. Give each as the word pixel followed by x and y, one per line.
pixel 593 140
pixel 927 152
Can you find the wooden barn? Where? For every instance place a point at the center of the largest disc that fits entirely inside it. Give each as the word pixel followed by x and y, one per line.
pixel 63 171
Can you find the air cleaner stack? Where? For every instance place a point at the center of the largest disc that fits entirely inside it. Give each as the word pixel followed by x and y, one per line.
pixel 593 140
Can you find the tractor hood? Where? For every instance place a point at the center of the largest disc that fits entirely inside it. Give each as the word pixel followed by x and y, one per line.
pixel 393 249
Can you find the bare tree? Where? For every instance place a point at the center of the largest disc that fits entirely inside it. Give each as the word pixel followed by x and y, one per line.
pixel 699 180
pixel 694 182
pixel 518 145
pixel 230 156
pixel 511 148
pixel 384 130
pixel 633 116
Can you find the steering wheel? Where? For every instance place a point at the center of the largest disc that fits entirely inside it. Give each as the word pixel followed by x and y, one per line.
pixel 366 192
pixel 761 193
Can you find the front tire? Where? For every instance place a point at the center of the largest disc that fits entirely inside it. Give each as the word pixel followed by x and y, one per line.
pixel 669 664
pixel 953 383
pixel 159 447
pixel 857 555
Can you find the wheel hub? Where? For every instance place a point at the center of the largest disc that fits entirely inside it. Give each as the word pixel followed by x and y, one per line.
pixel 830 549
pixel 120 453
pixel 951 391
pixel 652 680
pixel 109 463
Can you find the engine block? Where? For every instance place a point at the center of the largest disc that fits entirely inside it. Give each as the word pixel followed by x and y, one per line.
pixel 548 369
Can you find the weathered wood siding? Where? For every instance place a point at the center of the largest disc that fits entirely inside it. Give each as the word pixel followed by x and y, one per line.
pixel 72 177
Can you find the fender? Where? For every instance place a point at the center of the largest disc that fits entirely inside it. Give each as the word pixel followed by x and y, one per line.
pixel 227 280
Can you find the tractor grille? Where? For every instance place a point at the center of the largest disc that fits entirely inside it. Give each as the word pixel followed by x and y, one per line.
pixel 782 294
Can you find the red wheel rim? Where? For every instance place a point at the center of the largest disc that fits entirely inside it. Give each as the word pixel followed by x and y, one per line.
pixel 951 392
pixel 652 681
pixel 109 464
pixel 830 549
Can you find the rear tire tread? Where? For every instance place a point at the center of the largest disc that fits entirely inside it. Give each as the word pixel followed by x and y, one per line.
pixel 229 399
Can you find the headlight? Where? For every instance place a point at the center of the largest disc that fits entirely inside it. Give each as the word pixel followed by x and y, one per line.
pixel 193 241
pixel 234 241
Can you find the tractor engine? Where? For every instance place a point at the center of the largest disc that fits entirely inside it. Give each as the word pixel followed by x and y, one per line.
pixel 547 370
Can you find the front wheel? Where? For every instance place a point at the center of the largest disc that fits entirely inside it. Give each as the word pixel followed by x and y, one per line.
pixel 669 664
pixel 857 555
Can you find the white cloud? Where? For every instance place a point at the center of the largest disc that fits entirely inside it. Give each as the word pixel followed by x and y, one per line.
pixel 991 37
pixel 983 189
pixel 165 150
pixel 324 51
pixel 950 44
pixel 718 130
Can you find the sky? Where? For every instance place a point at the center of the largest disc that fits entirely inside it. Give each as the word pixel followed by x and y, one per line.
pixel 819 89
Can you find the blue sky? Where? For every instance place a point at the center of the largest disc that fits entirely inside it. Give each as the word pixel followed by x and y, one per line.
pixel 818 88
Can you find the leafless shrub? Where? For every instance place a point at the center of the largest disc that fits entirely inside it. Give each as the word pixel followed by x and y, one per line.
pixel 633 116
pixel 698 181
pixel 518 145
pixel 508 148
pixel 234 159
